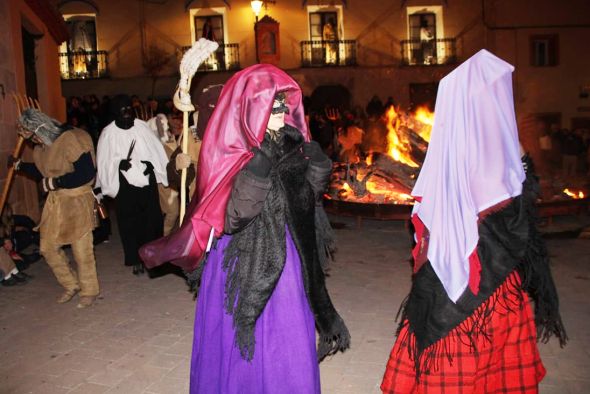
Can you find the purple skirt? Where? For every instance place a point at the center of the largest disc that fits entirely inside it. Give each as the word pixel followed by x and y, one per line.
pixel 285 358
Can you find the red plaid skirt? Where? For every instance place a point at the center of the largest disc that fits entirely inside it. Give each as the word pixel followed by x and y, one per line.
pixel 506 362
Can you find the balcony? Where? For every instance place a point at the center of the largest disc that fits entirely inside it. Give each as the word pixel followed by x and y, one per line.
pixel 225 58
pixel 428 53
pixel 83 64
pixel 328 53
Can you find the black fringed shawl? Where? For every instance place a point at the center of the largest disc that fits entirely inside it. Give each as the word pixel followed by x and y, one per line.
pixel 508 241
pixel 255 256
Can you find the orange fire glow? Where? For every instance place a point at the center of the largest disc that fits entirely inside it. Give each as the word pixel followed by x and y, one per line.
pixel 398 147
pixel 426 117
pixel 346 190
pixel 387 193
pixel 574 195
pixel 403 146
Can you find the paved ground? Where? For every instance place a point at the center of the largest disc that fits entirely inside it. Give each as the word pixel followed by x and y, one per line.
pixel 137 338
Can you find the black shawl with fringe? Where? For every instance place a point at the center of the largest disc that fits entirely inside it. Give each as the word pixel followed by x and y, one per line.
pixel 255 257
pixel 508 241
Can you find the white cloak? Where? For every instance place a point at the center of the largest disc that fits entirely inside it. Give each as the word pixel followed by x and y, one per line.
pixel 113 146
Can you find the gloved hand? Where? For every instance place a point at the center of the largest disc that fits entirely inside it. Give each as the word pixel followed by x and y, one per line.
pixel 313 151
pixel 259 165
pixel 49 184
pixel 149 168
pixel 182 161
pixel 11 161
pixel 124 165
pixel 97 191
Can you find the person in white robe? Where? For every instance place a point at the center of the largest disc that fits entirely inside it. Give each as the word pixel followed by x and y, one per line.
pixel 131 162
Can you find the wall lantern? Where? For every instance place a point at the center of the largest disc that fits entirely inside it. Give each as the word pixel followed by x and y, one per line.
pixel 258 4
pixel 256 7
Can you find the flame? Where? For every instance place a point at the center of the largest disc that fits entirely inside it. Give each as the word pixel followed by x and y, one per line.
pixel 388 194
pixel 573 195
pixel 397 148
pixel 424 116
pixel 346 190
pixel 369 160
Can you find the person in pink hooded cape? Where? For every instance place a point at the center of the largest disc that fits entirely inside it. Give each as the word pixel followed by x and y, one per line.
pixel 258 206
pixel 236 126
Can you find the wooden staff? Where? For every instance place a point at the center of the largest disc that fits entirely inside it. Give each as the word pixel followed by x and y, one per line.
pixel 183 173
pixel 182 99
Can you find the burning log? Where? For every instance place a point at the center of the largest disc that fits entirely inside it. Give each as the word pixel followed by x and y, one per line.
pixel 358 186
pixel 418 145
pixel 380 180
pixel 394 171
pixel 389 176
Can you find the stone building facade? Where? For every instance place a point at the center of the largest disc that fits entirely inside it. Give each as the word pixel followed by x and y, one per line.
pixel 398 48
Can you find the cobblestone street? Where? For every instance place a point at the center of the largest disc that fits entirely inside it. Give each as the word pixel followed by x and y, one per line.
pixel 137 337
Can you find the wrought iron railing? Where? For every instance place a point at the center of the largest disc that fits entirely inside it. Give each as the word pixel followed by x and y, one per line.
pixel 83 64
pixel 328 53
pixel 428 52
pixel 225 58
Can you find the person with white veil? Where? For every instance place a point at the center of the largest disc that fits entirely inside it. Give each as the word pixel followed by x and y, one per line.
pixel 467 323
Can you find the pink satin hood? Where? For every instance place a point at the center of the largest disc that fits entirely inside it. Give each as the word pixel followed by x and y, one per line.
pixel 237 125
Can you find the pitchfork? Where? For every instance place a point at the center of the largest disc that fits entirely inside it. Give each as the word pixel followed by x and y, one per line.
pixel 22 102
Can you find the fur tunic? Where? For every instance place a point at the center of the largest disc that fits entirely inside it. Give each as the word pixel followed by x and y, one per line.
pixel 68 214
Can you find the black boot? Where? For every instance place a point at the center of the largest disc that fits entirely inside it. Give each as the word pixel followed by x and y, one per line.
pixel 14 280
pixel 138 269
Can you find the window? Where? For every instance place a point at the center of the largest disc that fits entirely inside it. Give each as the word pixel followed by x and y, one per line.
pixel 423 26
pixel 544 50
pixel 79 56
pixel 323 26
pixel 325 35
pixel 209 27
pixel 423 36
pixel 426 43
pixel 82 29
pixel 210 23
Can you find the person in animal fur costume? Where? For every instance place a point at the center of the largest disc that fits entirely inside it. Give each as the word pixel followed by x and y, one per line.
pixel 64 162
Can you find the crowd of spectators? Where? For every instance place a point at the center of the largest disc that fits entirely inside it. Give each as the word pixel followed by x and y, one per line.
pixel 570 150
pixel 91 114
pixel 346 135
pixel 349 135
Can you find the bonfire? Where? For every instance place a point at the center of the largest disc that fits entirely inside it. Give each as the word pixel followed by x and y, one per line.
pixel 387 174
